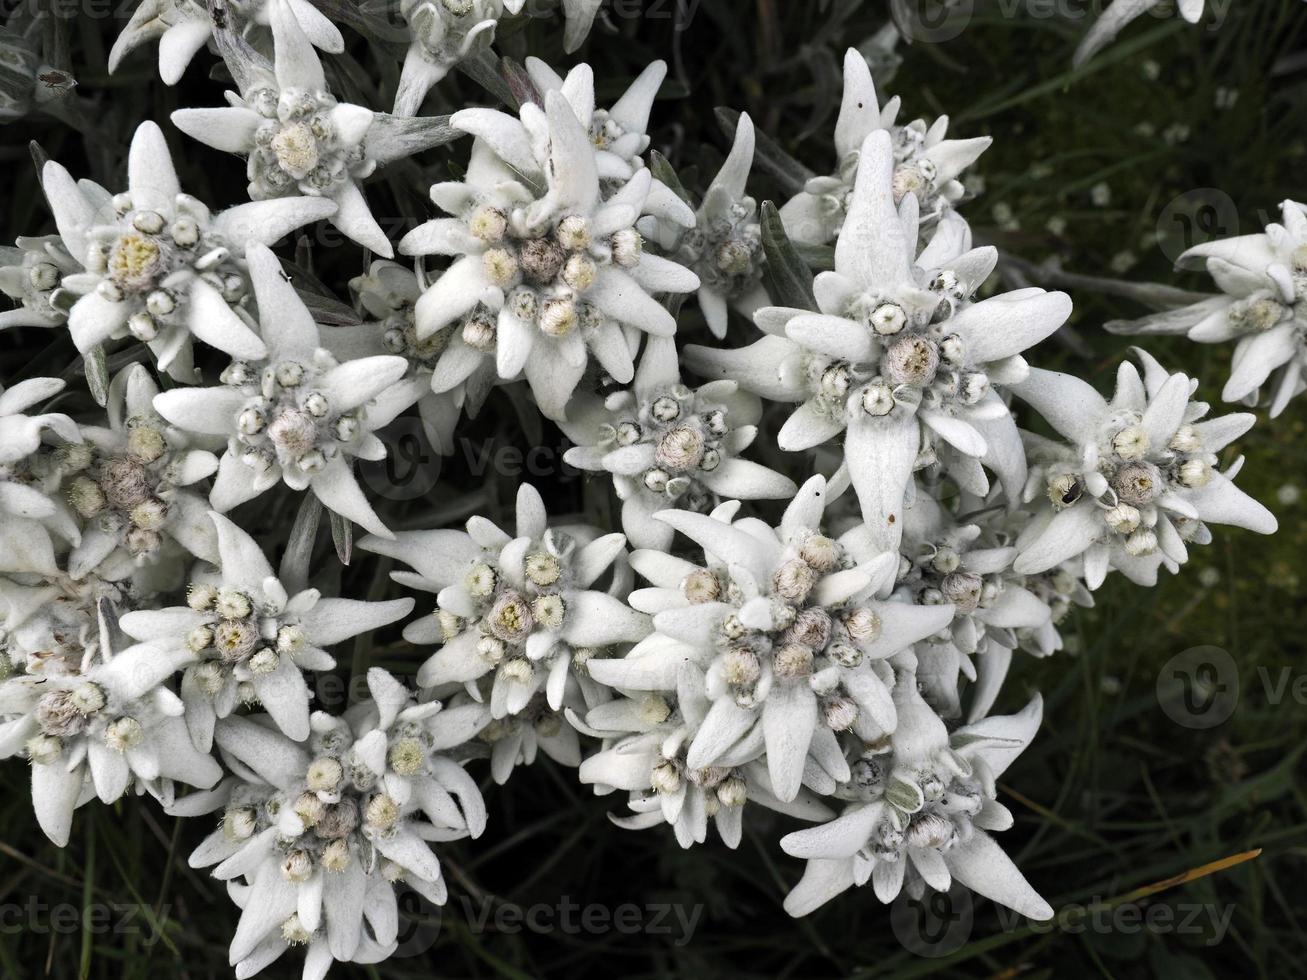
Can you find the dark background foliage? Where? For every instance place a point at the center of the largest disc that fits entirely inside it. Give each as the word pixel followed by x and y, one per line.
pixel 1192 131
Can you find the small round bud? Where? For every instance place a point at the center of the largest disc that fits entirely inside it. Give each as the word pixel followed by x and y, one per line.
pixel 1141 542
pixel 1195 473
pixel 701 586
pixel 500 266
pixel 542 568
pixel 324 775
pixel 792 660
pixel 541 260
pixel 1137 483
pixel 199 639
pixel 481 581
pixel 1130 443
pixel 558 317
pixel 510 618
pixel 297 866
pixel 232 604
pixel 123 734
pixel 548 611
pixel 665 778
pixel 239 823
pixel 1064 489
pixel 573 233
pixel 488 224
pixel 740 666
pixel 910 361
pixel 820 552
pixel 839 712
pixel 1187 439
pixel 628 246
pixel 877 399
pixel 201 597
pixel 1122 518
pixel 793 580
pixel 962 589
pixel 888 319
pixel 732 791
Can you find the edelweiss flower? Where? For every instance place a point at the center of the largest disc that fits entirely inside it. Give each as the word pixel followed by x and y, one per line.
pixel 649 737
pixel 33 275
pixel 1138 478
pixel 52 623
pixel 520 608
pixel 444 32
pixel 320 835
pixel 920 816
pixel 388 295
pixel 297 139
pixel 724 248
pixel 548 268
pixel 925 164
pixel 301 417
pixel 1118 14
pixel 158 265
pixel 949 562
pixel 130 483
pixel 1264 309
pixel 518 739
pixel 183 27
pixel 89 731
pixel 667 445
pixel 784 625
pixel 898 355
pixel 246 639
pixel 29 478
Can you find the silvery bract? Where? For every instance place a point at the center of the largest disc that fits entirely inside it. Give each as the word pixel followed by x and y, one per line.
pixel 298 139
pixel 1137 479
pixel 1118 14
pixel 920 815
pixel 93 727
pixel 926 165
pixel 668 445
pixel 299 416
pixel 546 271
pixel 183 27
pixel 1263 278
pixel 899 358
pixel 158 265
pixel 31 274
pixel 243 638
pixel 28 509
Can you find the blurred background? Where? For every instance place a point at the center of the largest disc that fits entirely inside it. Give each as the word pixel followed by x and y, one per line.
pixel 1135 813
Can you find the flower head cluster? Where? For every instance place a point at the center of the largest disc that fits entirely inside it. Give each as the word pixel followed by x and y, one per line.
pixel 668 445
pixel 920 814
pixel 1263 309
pixel 547 269
pixel 299 416
pixel 157 264
pixel 249 640
pixel 444 33
pixel 926 164
pixel 322 833
pixel 298 139
pixel 1136 478
pixel 786 628
pixel 92 727
pixel 898 357
pixel 518 611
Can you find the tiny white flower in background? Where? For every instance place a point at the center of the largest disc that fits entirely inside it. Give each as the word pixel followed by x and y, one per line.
pixel 547 271
pixel 899 358
pixel 29 477
pixel 1136 478
pixel 920 815
pixel 300 417
pixel 646 740
pixel 130 483
pixel 785 625
pixel 159 266
pixel 926 165
pixel 1118 14
pixel 444 33
pixel 183 27
pixel 1263 309
pixel 668 445
pixel 317 836
pixel 514 610
pixel 32 274
pixel 91 729
pixel 298 139
pixel 243 638
pixel 724 248
pixel 520 738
